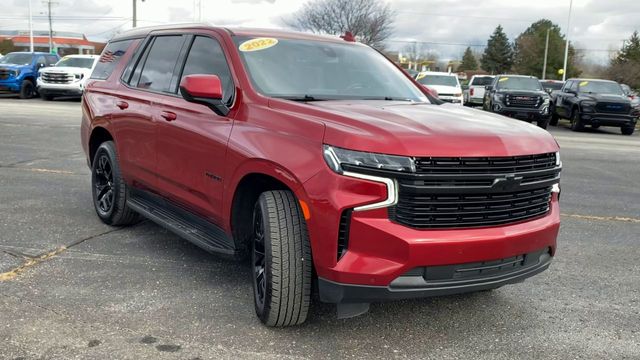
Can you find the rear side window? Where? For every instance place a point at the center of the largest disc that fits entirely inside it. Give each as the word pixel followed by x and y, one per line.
pixel 207 57
pixel 109 59
pixel 161 60
pixel 482 81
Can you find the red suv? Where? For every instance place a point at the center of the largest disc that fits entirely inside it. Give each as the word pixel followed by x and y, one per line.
pixel 322 161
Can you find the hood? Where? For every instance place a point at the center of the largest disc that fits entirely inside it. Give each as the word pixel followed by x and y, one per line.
pixel 66 69
pixel 442 89
pixel 413 129
pixel 14 66
pixel 605 97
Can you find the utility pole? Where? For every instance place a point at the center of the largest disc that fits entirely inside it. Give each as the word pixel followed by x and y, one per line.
pixel 135 12
pixel 566 46
pixel 30 28
pixel 546 51
pixel 50 27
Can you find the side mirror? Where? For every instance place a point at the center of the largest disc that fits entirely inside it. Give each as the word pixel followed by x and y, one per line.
pixel 205 90
pixel 488 87
pixel 41 65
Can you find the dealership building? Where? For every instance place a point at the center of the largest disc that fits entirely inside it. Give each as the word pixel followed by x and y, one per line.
pixel 64 43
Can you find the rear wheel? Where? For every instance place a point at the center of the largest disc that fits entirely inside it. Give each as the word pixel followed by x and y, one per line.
pixel 281 260
pixel 595 126
pixel 576 123
pixel 627 130
pixel 109 189
pixel 27 90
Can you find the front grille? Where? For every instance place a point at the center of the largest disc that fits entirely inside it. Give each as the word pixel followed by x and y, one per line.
pixel 5 74
pixel 613 108
pixel 522 101
pixel 484 165
pixel 57 78
pixel 469 210
pixel 474 192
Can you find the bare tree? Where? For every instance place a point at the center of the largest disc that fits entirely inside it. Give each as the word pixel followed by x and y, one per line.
pixel 370 21
pixel 414 52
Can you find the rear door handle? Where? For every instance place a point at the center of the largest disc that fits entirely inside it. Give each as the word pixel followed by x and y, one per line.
pixel 122 105
pixel 168 115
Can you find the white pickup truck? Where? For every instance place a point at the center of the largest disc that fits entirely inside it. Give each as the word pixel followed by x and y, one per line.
pixel 474 95
pixel 67 77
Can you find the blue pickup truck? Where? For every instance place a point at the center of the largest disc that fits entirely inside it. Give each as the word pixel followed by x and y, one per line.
pixel 19 71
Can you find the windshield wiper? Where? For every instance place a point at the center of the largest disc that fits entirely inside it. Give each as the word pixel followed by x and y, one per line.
pixel 301 98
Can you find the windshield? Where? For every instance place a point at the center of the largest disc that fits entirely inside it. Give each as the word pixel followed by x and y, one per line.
pixel 443 80
pixel 553 85
pixel 518 83
pixel 317 70
pixel 482 81
pixel 18 59
pixel 86 63
pixel 600 87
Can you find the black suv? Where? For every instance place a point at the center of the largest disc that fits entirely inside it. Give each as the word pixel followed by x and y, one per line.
pixel 520 97
pixel 593 102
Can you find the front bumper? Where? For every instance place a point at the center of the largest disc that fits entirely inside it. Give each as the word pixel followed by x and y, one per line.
pixel 529 114
pixel 441 280
pixel 73 89
pixel 9 86
pixel 380 253
pixel 605 119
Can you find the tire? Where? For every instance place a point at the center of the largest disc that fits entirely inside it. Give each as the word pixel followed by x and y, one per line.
pixel 281 260
pixel 27 90
pixel 543 123
pixel 576 123
pixel 108 189
pixel 554 116
pixel 595 126
pixel 627 130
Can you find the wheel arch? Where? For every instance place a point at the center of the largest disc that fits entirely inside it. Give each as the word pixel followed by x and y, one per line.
pixel 98 135
pixel 246 186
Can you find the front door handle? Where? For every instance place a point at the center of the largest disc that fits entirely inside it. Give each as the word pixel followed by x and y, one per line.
pixel 168 115
pixel 122 105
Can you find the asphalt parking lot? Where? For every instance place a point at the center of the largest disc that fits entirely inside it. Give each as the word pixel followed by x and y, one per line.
pixel 71 287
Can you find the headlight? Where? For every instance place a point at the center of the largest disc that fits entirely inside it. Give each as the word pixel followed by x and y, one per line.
pixel 588 104
pixel 546 101
pixel 16 73
pixel 558 162
pixel 336 157
pixel 457 94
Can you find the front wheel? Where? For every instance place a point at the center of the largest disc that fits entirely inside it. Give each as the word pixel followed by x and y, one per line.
pixel 576 122
pixel 281 260
pixel 109 189
pixel 27 90
pixel 544 122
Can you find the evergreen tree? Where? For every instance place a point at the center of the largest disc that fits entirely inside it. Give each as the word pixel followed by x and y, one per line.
pixel 630 51
pixel 469 61
pixel 498 56
pixel 529 51
pixel 625 67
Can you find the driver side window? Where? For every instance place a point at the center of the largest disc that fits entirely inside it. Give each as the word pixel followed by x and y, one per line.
pixel 207 57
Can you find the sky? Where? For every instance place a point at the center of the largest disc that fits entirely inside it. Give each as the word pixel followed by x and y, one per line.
pixel 445 27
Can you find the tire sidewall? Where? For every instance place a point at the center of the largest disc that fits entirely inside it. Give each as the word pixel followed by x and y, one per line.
pixel 27 84
pixel 263 313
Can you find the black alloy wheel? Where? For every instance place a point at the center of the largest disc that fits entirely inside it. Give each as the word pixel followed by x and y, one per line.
pixel 258 260
pixel 103 183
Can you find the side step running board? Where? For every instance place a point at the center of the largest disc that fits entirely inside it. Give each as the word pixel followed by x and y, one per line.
pixel 202 233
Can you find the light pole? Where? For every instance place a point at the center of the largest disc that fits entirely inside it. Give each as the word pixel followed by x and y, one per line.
pixel 30 28
pixel 546 51
pixel 566 46
pixel 135 12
